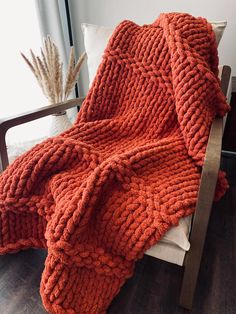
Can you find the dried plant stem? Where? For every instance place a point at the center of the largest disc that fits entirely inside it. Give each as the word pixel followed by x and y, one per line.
pixel 72 75
pixel 48 70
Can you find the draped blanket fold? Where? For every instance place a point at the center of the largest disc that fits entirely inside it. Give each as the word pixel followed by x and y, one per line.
pixel 102 193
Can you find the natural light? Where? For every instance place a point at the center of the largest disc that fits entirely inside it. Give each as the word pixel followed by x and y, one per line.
pixel 20 91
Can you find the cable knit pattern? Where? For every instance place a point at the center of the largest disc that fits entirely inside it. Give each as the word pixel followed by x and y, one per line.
pixel 102 193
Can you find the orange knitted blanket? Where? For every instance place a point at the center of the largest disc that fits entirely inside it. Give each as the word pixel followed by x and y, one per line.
pixel 102 193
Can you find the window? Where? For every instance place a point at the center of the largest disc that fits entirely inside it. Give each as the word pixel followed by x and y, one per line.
pixel 19 30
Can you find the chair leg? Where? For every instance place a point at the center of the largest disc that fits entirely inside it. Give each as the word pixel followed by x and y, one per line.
pixel 191 270
pixel 194 255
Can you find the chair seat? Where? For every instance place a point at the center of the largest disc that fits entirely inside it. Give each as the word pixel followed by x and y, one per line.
pixel 171 247
pixel 174 244
pixel 16 149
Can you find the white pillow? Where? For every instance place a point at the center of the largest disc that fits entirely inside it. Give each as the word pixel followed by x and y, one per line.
pixel 97 37
pixel 218 28
pixel 95 41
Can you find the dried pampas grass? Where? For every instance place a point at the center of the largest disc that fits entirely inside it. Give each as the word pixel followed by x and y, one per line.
pixel 48 70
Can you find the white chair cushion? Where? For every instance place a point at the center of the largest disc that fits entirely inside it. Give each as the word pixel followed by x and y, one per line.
pixel 174 244
pixel 218 28
pixel 19 148
pixel 95 41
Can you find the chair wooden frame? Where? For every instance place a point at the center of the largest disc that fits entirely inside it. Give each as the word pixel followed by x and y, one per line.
pixel 204 204
pixel 205 195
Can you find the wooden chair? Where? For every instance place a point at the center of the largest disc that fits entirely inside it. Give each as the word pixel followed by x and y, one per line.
pixel 208 181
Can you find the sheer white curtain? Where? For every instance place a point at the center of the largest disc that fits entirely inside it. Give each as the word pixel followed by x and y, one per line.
pixel 22 26
pixel 52 17
pixel 19 31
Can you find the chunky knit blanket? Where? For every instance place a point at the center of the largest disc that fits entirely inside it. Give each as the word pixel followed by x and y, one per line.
pixel 102 193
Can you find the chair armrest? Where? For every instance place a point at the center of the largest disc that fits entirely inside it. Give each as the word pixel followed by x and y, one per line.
pixel 210 171
pixel 208 181
pixel 206 194
pixel 9 122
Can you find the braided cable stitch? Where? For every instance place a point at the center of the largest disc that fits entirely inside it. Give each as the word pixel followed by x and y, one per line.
pixel 102 193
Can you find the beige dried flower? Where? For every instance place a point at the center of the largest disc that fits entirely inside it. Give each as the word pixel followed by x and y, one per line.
pixel 48 70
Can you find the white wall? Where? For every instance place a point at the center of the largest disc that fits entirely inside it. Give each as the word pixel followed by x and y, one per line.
pixel 111 12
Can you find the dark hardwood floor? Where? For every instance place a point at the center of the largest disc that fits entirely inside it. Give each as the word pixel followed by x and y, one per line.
pixel 229 140
pixel 155 286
